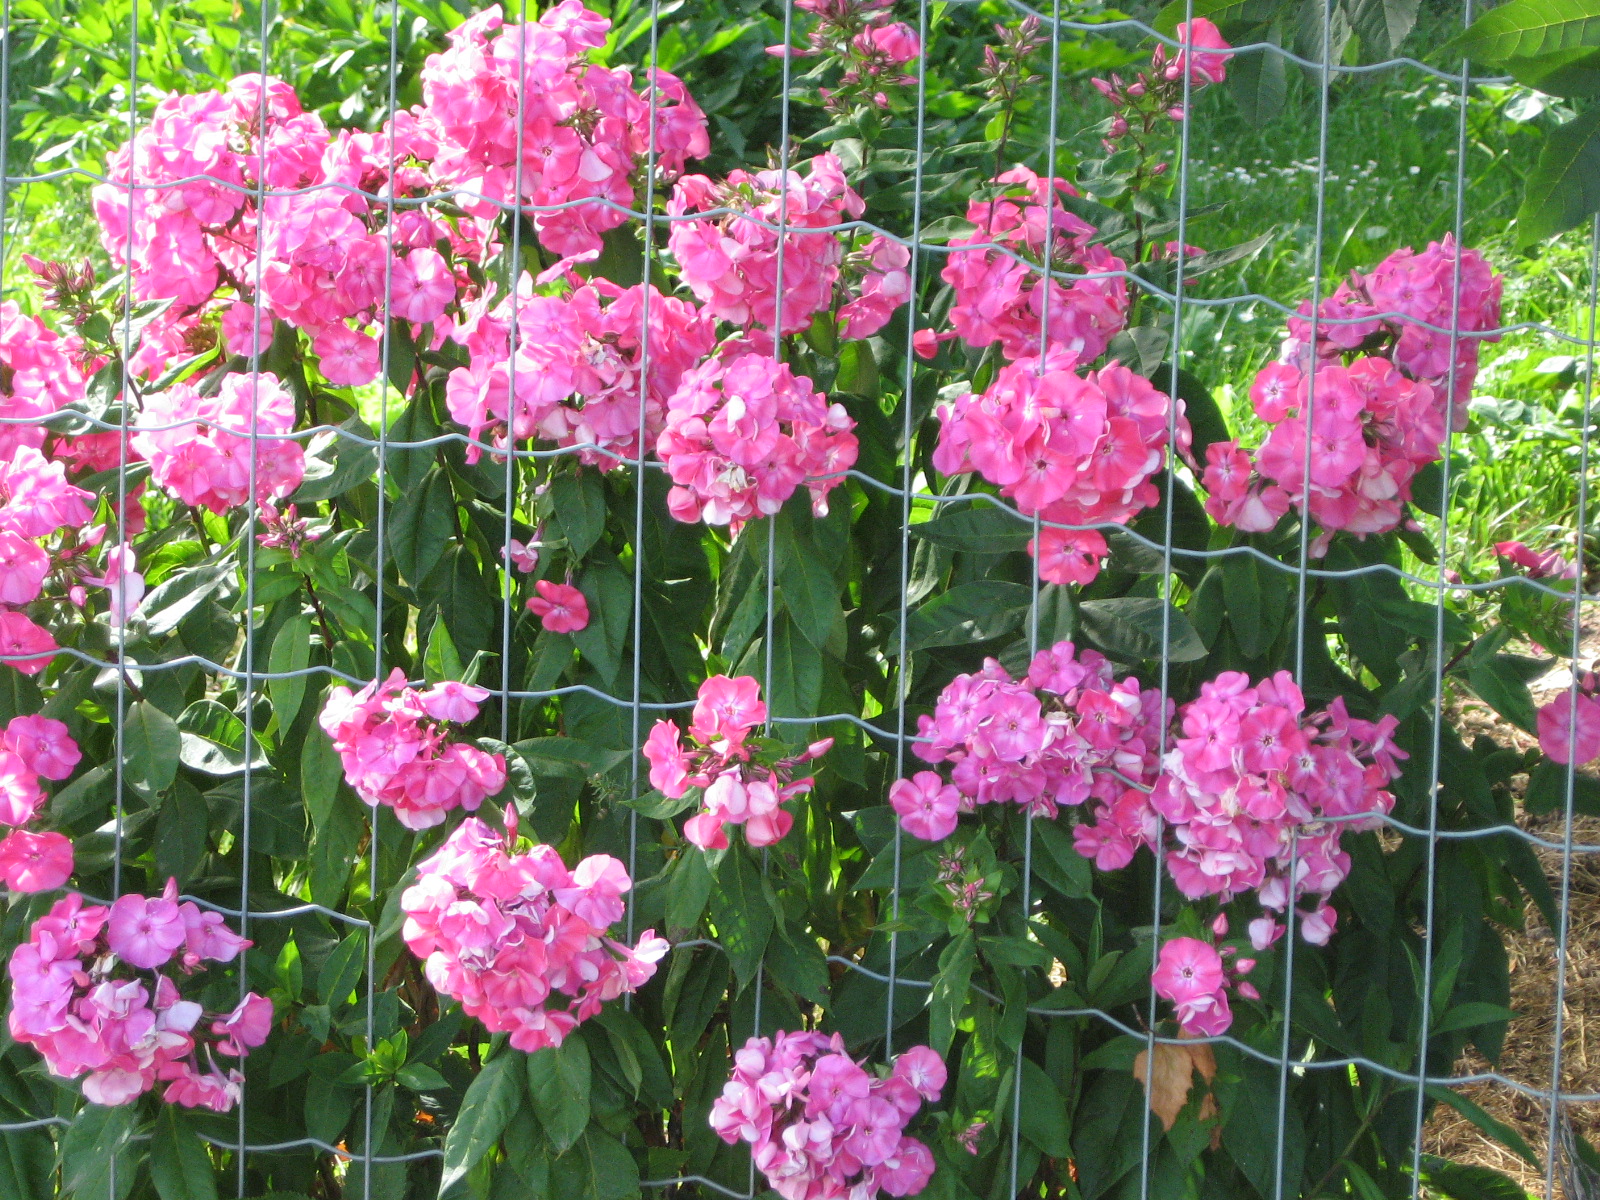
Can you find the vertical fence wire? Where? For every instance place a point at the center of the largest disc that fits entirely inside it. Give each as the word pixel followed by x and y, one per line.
pixel 250 679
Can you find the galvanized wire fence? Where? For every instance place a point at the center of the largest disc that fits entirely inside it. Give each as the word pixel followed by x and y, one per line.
pixel 906 492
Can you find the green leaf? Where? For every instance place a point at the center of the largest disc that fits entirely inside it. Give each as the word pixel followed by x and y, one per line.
pixel 320 773
pixel 1528 29
pixel 688 891
pixel 182 831
pixel 796 673
pixel 1257 597
pixel 1498 1130
pixel 558 1085
pixel 151 743
pixel 179 1165
pixel 809 590
pixel 1130 627
pixel 342 969
pixel 950 991
pixel 1472 1014
pixel 291 651
pixel 980 529
pixel 336 463
pixel 440 660
pixel 1564 186
pixel 1222 12
pixel 95 1140
pixel 969 612
pixel 602 642
pixel 741 913
pixel 1500 685
pixel 1382 25
pixel 422 526
pixel 580 509
pixel 485 1109
pixel 420 1078
pixel 1065 869
pixel 1044 1113
pixel 598 1168
pixel 1468 1181
pixel 402 356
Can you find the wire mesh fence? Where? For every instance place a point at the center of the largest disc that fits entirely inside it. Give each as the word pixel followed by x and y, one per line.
pixel 838 620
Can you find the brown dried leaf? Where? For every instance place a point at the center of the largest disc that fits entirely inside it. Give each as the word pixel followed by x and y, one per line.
pixel 1174 1077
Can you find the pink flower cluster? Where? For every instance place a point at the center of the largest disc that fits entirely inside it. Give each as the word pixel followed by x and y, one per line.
pixel 742 784
pixel 1001 294
pixel 1065 733
pixel 399 748
pixel 507 934
pixel 1371 430
pixel 1569 726
pixel 93 990
pixel 36 502
pixel 1254 796
pixel 1379 399
pixel 1076 449
pixel 583 130
pixel 574 379
pixel 1551 564
pixel 33 748
pixel 199 447
pixel 730 261
pixel 820 1126
pixel 742 433
pixel 40 374
pixel 1195 977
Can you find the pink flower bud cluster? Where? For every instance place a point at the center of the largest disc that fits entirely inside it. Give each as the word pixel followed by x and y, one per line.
pixel 820 1126
pixel 1255 795
pixel 1064 733
pixel 33 748
pixel 1202 56
pixel 94 990
pixel 400 747
pixel 743 433
pixel 575 375
pixel 1379 403
pixel 1196 978
pixel 730 261
pixel 509 934
pixel 584 130
pixel 1001 294
pixel 870 51
pixel 36 502
pixel 40 374
pixel 741 784
pixel 1551 564
pixel 1569 726
pixel 1077 449
pixel 199 447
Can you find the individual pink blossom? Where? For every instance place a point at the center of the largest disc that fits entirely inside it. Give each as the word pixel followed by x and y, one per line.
pixel 397 750
pixel 560 607
pixel 1552 564
pixel 346 357
pixel 742 434
pixel 926 806
pixel 23 567
pixel 1569 726
pixel 1200 41
pixel 122 1026
pixel 521 941
pixel 24 645
pixel 819 1124
pixel 35 862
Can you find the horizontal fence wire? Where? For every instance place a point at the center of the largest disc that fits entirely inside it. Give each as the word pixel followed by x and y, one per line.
pixel 914 502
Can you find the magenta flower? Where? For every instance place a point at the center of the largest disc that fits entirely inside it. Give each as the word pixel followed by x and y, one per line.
pixel 1569 729
pixel 927 806
pixel 560 607
pixel 143 931
pixel 35 862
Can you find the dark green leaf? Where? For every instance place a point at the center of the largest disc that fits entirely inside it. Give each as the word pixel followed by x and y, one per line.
pixel 980 529
pixel 422 526
pixel 1131 627
pixel 1564 186
pixel 1495 1128
pixel 1258 599
pixel 291 651
pixel 95 1140
pixel 182 831
pixel 485 1109
pixel 969 612
pixel 580 508
pixel 151 744
pixel 179 1164
pixel 1528 29
pixel 598 1168
pixel 558 1085
pixel 950 991
pixel 741 913
pixel 1500 686
pixel 1044 1113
